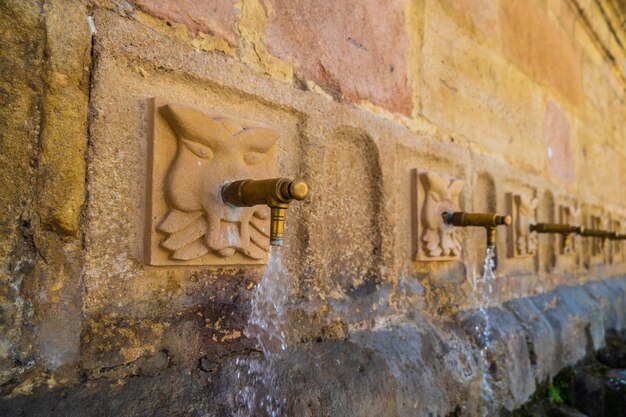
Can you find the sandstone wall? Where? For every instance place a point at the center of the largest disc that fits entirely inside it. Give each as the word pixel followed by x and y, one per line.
pixel 511 96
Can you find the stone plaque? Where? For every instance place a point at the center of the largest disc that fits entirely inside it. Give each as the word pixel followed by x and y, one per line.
pixel 521 241
pixel 435 194
pixel 191 155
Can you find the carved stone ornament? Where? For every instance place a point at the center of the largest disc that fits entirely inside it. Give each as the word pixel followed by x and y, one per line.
pixel 191 154
pixel 597 244
pixel 521 241
pixel 436 194
pixel 569 214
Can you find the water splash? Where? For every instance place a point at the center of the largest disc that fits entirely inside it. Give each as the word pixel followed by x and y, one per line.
pixel 483 291
pixel 260 389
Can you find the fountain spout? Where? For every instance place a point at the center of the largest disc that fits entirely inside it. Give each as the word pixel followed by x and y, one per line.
pixel 487 220
pixel 276 193
pixel 603 234
pixel 565 230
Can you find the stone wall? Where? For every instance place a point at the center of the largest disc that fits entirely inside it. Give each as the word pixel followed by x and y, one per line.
pixel 513 97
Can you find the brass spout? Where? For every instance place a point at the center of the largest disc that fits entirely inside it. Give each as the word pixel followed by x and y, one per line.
pixel 603 234
pixel 487 220
pixel 565 230
pixel 276 193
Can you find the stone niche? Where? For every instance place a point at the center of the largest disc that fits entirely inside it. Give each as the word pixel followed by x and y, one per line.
pixel 435 194
pixel 191 154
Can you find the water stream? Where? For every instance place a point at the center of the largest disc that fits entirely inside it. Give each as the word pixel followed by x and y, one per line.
pixel 482 290
pixel 260 388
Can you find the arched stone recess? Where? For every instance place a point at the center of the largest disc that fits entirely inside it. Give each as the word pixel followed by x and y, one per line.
pixel 351 212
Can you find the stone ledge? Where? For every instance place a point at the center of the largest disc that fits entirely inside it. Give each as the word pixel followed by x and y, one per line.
pixel 411 367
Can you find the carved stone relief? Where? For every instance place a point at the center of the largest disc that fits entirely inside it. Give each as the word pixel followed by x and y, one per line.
pixel 435 194
pixel 597 244
pixel 191 155
pixel 521 241
pixel 569 214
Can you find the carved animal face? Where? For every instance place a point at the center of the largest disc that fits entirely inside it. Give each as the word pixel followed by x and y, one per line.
pixel 441 196
pixel 210 152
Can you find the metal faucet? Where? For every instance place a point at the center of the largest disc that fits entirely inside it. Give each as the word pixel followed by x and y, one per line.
pixel 276 193
pixel 565 230
pixel 603 234
pixel 487 220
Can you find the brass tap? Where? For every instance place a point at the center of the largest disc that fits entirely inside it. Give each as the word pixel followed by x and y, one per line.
pixel 276 193
pixel 603 234
pixel 487 220
pixel 565 230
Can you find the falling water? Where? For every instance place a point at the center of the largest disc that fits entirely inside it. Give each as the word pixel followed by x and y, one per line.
pixel 483 291
pixel 259 394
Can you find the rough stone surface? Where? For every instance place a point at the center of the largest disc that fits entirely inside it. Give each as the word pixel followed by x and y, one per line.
pixel 20 117
pixel 216 17
pixel 360 95
pixel 506 350
pixel 569 324
pixel 317 38
pixel 536 42
pixel 540 337
pixel 558 137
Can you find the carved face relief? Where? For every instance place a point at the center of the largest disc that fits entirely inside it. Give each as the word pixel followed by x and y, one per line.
pixel 597 244
pixel 437 194
pixel 526 241
pixel 211 151
pixel 522 242
pixel 570 215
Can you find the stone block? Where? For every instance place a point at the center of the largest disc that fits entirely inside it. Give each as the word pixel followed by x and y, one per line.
pixel 21 86
pixel 500 336
pixel 610 302
pixel 483 14
pixel 540 337
pixel 569 324
pixel 536 42
pixel 357 49
pixel 215 17
pixel 592 312
pixel 469 89
pixel 558 141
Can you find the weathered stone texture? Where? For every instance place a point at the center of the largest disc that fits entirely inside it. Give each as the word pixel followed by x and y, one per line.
pixel 357 49
pixel 469 89
pixel 509 96
pixel 61 177
pixel 21 52
pixel 536 42
pixel 216 17
pixel 558 140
